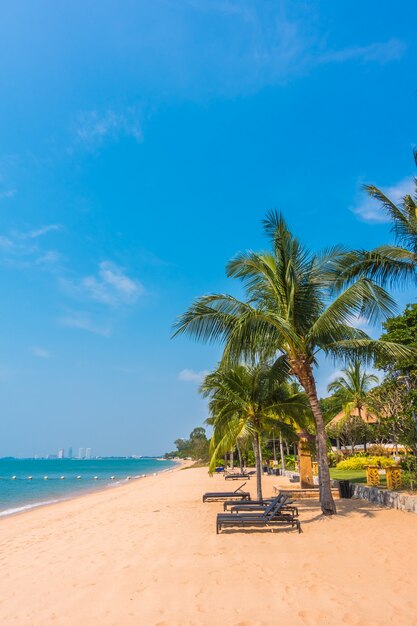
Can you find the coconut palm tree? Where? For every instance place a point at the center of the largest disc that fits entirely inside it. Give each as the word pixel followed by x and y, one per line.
pixel 388 264
pixel 244 401
pixel 291 313
pixel 355 384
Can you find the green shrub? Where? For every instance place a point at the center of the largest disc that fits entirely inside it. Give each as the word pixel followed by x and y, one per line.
pixel 409 464
pixel 289 462
pixel 334 458
pixel 360 462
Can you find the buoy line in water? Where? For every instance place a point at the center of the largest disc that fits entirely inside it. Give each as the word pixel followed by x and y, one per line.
pixel 70 477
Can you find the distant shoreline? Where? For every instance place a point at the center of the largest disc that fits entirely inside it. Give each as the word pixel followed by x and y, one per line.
pixel 99 487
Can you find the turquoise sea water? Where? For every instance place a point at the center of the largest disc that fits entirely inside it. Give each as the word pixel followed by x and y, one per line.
pixel 21 493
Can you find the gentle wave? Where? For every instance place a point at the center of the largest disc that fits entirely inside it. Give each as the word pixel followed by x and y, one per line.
pixel 19 509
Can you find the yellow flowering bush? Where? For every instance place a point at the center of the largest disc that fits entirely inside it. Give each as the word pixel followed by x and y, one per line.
pixel 360 462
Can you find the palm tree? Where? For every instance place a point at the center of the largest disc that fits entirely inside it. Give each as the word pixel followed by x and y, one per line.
pixel 388 264
pixel 291 313
pixel 244 402
pixel 354 384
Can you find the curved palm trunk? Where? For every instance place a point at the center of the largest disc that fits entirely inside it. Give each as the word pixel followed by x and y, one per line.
pixel 258 465
pixel 304 374
pixel 240 459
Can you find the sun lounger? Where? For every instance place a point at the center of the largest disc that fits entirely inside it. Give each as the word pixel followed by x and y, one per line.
pixel 240 508
pixel 272 516
pixel 236 476
pixel 236 506
pixel 222 495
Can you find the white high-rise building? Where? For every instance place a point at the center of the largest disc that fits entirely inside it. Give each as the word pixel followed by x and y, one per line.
pixel 80 453
pixel 61 453
pixel 88 453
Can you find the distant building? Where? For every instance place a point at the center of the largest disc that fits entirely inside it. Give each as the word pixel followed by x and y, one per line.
pixel 80 453
pixel 70 452
pixel 61 453
pixel 88 453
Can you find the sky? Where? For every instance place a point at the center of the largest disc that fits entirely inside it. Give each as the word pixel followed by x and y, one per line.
pixel 141 144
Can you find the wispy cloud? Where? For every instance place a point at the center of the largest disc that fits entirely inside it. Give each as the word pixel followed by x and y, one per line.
pixel 370 210
pixel 48 258
pixel 19 248
pixel 83 321
pixel 190 376
pixel 38 232
pixel 6 243
pixel 333 376
pixel 111 285
pixel 384 52
pixel 41 353
pixel 92 128
pixel 7 193
pixel 243 46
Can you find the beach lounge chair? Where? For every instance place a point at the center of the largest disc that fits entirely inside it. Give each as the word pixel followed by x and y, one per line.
pixel 256 506
pixel 235 506
pixel 222 495
pixel 236 476
pixel 272 516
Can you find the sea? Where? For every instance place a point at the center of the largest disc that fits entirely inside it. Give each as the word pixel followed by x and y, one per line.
pixel 30 483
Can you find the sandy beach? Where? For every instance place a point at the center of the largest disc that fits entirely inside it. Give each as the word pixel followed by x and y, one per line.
pixel 147 554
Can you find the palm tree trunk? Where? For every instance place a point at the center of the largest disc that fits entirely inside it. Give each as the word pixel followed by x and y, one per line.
pixel 232 460
pixel 304 374
pixel 364 439
pixel 240 459
pixel 258 465
pixel 281 450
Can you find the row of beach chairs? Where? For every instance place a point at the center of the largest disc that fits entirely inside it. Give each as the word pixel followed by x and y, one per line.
pixel 241 511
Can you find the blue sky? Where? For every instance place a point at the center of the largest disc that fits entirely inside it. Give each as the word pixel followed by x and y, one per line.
pixel 141 145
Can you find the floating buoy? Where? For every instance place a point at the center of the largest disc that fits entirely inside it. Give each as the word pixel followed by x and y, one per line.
pixel 95 477
pixel 78 477
pixel 45 477
pixel 14 477
pixel 30 477
pixel 112 477
pixel 62 477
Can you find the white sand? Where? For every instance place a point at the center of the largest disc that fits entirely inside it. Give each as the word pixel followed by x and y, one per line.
pixel 147 553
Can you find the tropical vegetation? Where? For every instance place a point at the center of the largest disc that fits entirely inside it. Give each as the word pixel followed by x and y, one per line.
pixel 246 401
pixel 196 447
pixel 355 382
pixel 295 307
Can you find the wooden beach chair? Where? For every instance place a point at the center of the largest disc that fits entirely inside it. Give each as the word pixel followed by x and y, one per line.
pixel 258 506
pixel 235 506
pixel 222 495
pixel 236 476
pixel 272 516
